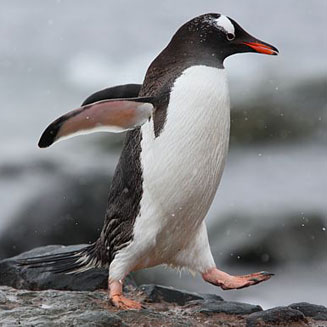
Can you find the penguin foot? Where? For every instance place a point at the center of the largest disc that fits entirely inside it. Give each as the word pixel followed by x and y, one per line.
pixel 123 303
pixel 118 300
pixel 228 282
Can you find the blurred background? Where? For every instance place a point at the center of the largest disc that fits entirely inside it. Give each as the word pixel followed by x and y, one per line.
pixel 270 212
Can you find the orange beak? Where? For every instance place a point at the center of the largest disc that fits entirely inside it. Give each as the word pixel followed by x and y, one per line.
pixel 262 48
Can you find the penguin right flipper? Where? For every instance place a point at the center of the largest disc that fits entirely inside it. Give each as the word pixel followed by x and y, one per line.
pixel 125 91
pixel 115 115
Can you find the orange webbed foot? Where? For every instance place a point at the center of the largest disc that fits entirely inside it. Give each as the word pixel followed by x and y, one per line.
pixel 229 282
pixel 118 300
pixel 123 303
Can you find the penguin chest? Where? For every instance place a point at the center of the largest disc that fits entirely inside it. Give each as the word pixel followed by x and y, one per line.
pixel 182 167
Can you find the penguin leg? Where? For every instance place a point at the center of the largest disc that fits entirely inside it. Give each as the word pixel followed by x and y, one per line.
pixel 197 257
pixel 117 298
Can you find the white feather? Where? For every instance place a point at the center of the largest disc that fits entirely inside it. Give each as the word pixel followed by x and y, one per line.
pixel 181 172
pixel 106 129
pixel 224 23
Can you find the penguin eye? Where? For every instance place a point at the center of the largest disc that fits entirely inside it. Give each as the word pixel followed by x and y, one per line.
pixel 230 36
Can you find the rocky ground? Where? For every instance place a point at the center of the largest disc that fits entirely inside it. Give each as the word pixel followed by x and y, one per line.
pixel 84 308
pixel 36 298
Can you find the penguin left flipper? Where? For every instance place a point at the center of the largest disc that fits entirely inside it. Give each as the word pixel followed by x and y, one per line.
pixel 115 115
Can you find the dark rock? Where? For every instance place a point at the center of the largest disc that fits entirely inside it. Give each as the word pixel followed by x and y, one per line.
pixel 14 170
pixel 277 241
pixel 157 293
pixel 35 279
pixel 317 312
pixel 231 308
pixel 67 209
pixel 279 316
pixel 294 112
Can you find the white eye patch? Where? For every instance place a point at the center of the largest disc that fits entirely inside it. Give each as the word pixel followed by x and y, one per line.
pixel 225 24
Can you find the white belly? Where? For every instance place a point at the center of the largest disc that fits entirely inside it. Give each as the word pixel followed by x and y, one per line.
pixel 183 166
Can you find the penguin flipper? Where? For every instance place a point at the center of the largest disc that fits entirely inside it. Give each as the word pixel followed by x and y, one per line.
pixel 115 115
pixel 116 92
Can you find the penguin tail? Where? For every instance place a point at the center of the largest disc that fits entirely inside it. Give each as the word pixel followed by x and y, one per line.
pixel 66 262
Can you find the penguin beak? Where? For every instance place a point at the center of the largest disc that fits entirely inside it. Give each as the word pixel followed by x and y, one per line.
pixel 262 47
pixel 245 42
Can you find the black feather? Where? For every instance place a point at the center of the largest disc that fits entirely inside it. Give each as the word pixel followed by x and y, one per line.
pixel 66 262
pixel 116 92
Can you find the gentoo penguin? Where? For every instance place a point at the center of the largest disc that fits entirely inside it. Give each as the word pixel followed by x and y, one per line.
pixel 177 125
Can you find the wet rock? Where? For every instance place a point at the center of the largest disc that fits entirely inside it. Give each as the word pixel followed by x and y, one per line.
pixel 279 316
pixel 317 312
pixel 157 293
pixel 227 307
pixel 36 279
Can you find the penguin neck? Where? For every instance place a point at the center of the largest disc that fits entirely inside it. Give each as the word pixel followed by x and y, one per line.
pixel 189 53
pixel 171 63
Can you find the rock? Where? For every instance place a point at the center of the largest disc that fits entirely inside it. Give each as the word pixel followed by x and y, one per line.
pixel 227 307
pixel 14 169
pixel 294 112
pixel 60 213
pixel 3 298
pixel 279 316
pixel 272 241
pixel 36 279
pixel 212 297
pixel 204 303
pixel 57 308
pixel 317 312
pixel 152 318
pixel 157 293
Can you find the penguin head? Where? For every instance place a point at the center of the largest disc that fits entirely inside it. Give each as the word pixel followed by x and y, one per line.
pixel 215 37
